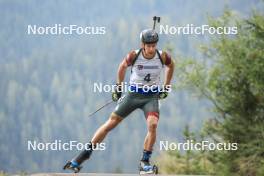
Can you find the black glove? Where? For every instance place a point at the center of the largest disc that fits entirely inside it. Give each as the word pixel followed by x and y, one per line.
pixel 163 93
pixel 117 93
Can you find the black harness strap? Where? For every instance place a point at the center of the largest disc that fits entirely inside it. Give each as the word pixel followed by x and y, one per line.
pixel 133 62
pixel 140 50
pixel 160 57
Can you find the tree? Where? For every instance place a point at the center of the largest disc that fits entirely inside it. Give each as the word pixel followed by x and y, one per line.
pixel 231 77
pixel 187 161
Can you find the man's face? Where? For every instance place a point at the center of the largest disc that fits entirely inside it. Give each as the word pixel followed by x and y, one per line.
pixel 150 49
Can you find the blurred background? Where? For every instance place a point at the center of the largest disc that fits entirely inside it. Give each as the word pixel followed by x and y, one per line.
pixel 46 81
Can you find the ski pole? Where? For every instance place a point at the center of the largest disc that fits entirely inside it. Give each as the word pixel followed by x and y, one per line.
pixel 107 103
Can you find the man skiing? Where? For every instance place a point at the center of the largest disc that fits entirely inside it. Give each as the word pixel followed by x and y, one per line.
pixel 146 66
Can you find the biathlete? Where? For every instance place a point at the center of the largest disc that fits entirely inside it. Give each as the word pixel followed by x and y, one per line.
pixel 146 67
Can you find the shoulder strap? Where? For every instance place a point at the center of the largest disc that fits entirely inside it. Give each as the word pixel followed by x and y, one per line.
pixel 159 57
pixel 134 60
pixel 138 53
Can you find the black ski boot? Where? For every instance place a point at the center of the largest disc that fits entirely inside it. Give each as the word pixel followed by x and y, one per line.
pixel 75 163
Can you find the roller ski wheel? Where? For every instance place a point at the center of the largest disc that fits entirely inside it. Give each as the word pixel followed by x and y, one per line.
pixel 145 168
pixel 70 166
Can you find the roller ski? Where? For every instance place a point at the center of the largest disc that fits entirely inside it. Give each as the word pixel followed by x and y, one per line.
pixel 146 168
pixel 75 167
pixel 75 163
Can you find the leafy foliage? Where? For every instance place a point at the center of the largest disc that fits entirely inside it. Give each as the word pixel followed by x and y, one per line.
pixel 231 77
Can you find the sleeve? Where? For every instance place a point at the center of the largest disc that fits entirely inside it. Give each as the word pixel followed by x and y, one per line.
pixel 166 58
pixel 130 57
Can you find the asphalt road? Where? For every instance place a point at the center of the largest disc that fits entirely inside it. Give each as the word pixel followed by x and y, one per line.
pixel 94 174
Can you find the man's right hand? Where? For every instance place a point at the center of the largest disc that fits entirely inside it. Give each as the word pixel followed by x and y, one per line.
pixel 117 93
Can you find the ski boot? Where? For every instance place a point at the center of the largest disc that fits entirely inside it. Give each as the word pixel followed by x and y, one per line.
pixel 75 163
pixel 146 168
pixel 75 167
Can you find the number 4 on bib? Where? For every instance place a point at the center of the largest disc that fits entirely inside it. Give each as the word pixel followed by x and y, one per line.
pixel 147 78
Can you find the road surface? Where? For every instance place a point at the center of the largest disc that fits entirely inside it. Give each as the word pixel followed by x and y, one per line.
pixel 93 174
